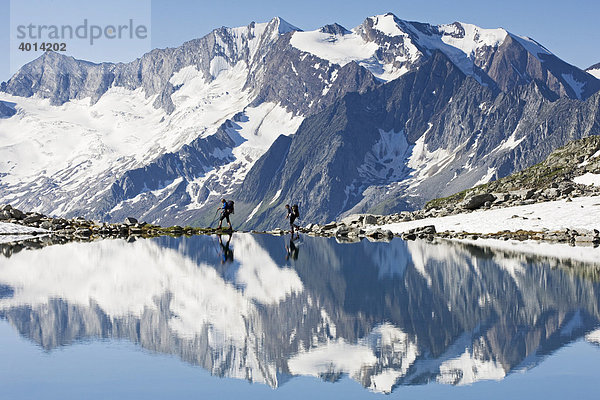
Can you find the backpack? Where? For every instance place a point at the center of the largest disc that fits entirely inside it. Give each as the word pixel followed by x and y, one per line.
pixel 229 206
pixel 295 210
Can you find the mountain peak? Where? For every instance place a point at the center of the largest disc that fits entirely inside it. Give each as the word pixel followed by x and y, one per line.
pixel 283 26
pixel 595 66
pixel 334 29
pixel 387 24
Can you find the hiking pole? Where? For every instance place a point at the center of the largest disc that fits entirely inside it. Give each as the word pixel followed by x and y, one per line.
pixel 214 219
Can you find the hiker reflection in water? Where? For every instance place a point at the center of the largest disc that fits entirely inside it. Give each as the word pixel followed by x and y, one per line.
pixel 291 249
pixel 226 251
pixel 292 215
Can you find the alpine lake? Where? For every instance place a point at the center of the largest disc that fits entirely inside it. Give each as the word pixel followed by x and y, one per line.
pixel 266 317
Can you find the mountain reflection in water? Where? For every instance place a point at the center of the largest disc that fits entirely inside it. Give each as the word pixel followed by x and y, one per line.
pixel 386 314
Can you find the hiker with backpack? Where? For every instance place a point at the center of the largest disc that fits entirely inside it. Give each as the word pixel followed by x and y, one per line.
pixel 292 214
pixel 226 209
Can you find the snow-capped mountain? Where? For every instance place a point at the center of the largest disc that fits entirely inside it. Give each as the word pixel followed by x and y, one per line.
pixel 403 313
pixel 594 70
pixel 247 112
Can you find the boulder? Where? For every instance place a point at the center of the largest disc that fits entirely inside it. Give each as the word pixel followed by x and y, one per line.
pixel 46 225
pixel 369 220
pixel 551 193
pixel 130 221
pixel 426 230
pixel 330 225
pixel 473 202
pixel 352 219
pixel 523 194
pixel 16 214
pixel 501 197
pixel 32 218
pixel 408 236
pixel 342 230
pixel 379 233
pixel 566 187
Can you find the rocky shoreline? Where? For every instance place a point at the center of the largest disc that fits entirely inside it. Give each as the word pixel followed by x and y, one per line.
pixel 357 226
pixel 46 231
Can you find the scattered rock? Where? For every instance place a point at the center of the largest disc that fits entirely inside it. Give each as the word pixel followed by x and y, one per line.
pixel 426 230
pixel 32 218
pixel 523 194
pixel 330 225
pixel 475 201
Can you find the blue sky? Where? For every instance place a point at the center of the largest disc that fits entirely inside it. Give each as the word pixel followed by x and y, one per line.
pixel 568 29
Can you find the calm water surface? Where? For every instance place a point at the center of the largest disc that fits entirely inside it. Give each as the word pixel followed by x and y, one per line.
pixel 259 317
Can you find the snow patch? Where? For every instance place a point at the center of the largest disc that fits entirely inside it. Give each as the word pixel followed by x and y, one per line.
pixel 588 179
pixel 338 49
pixel 7 228
pixel 468 369
pixel 574 323
pixel 532 46
pixel 474 37
pixel 343 49
pixel 274 199
pixel 387 25
pixel 386 159
pixel 487 177
pixel 594 72
pixel 336 356
pixel 254 211
pixel 511 142
pixel 593 337
pixel 574 84
pixel 427 163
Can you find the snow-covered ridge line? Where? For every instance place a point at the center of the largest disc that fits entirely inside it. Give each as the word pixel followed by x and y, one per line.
pixel 388 46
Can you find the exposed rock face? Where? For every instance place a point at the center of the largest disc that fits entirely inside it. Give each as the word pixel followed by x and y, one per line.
pixel 6 111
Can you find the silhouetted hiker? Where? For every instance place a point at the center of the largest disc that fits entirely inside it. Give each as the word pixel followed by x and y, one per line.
pixel 292 249
pixel 226 209
pixel 226 251
pixel 292 214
